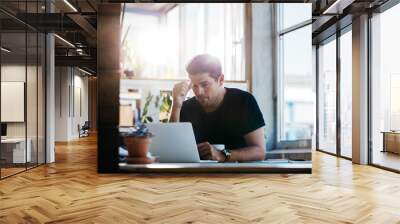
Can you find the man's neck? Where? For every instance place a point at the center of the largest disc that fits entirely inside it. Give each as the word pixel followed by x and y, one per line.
pixel 218 102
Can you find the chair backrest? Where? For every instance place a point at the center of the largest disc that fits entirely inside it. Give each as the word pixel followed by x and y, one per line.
pixel 86 125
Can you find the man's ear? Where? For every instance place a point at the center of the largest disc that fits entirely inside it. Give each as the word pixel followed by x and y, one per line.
pixel 221 79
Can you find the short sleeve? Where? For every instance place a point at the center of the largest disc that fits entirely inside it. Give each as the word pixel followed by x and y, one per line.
pixel 183 113
pixel 252 117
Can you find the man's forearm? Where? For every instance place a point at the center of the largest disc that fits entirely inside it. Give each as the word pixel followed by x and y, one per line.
pixel 175 113
pixel 251 153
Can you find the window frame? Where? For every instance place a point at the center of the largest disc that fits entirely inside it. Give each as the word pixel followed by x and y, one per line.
pixel 40 59
pixel 280 79
pixel 371 14
pixel 342 32
pixel 334 37
pixel 337 81
pixel 244 77
pixel 380 9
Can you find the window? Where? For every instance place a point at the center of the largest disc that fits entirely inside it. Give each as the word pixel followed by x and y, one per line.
pixel 22 76
pixel 334 106
pixel 294 13
pixel 172 21
pixel 327 97
pixel 295 80
pixel 385 87
pixel 217 29
pixel 346 94
pixel 161 45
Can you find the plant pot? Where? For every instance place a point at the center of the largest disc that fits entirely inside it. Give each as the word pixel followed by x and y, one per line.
pixel 137 146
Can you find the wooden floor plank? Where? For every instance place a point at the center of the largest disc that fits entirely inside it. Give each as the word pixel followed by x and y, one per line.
pixel 71 191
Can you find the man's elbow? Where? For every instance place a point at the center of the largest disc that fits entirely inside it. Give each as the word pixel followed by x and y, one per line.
pixel 261 153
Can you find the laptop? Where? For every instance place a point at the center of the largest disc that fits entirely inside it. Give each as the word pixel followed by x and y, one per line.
pixel 174 143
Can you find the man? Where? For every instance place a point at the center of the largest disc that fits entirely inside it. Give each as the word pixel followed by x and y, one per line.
pixel 219 115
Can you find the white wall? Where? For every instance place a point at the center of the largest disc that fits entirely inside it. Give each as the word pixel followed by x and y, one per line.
pixel 33 126
pixel 80 105
pixel 12 73
pixel 62 81
pixel 71 94
pixel 16 73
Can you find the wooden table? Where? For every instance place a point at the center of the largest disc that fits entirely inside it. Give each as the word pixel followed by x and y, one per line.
pixel 391 141
pixel 250 167
pixel 14 150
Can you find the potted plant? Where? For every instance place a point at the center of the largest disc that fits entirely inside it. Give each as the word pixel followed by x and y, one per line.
pixel 165 107
pixel 145 117
pixel 138 143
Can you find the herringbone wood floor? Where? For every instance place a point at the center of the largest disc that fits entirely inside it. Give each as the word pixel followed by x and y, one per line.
pixel 71 191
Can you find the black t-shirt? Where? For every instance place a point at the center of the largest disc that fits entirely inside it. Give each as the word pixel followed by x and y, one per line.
pixel 237 116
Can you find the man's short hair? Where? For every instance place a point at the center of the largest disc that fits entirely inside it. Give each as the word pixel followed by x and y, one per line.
pixel 204 63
